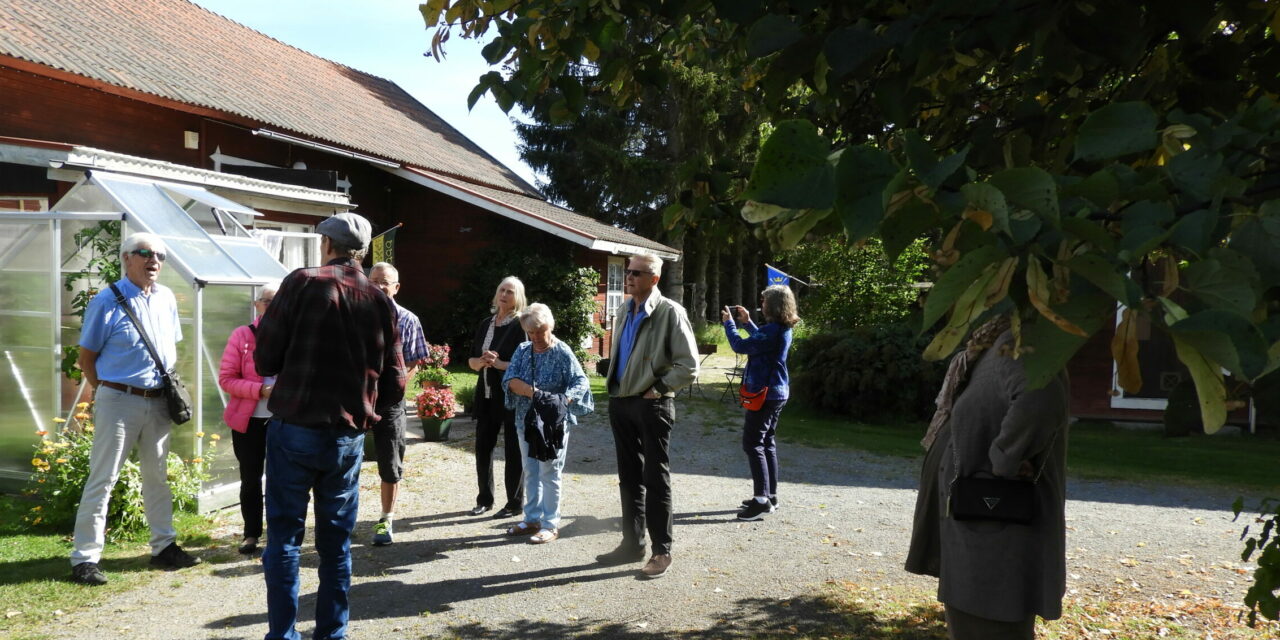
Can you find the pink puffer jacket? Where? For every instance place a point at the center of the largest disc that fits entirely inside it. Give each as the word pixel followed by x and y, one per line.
pixel 238 377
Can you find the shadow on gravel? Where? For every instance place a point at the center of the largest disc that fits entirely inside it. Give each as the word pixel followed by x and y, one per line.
pixel 756 618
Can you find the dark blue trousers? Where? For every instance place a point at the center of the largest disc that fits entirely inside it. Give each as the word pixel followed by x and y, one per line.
pixel 758 430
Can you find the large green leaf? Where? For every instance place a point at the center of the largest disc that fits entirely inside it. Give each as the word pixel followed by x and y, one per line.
pixel 1104 275
pixel 1226 338
pixel 1101 189
pixel 1050 347
pixel 943 169
pixel 955 280
pixel 1031 188
pixel 1138 241
pixel 1115 130
pixel 1090 232
pixel 1194 231
pixel 1259 240
pixel 850 47
pixel 771 33
pixel 905 225
pixel 1207 377
pixel 792 170
pixel 1197 172
pixel 985 197
pixel 1219 286
pixel 969 307
pixel 862 174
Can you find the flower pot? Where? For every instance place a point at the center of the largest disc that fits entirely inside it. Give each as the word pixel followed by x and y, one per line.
pixel 432 384
pixel 436 430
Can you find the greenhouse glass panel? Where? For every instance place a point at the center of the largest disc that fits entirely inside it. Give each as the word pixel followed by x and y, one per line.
pixel 27 383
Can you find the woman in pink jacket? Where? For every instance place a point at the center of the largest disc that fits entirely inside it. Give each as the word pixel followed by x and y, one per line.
pixel 247 416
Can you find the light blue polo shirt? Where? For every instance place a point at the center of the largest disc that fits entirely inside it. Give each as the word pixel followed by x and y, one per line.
pixel 122 356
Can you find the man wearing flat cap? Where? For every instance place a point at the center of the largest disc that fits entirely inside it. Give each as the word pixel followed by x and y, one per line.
pixel 330 339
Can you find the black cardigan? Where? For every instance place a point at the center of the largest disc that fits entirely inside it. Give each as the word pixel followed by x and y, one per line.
pixel 505 340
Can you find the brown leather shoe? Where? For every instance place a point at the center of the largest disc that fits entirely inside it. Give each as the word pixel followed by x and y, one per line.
pixel 657 566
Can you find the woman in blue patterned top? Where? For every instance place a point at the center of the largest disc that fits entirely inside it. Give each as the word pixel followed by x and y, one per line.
pixel 544 379
pixel 766 350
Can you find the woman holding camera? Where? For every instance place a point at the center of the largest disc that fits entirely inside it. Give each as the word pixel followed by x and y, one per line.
pixel 765 389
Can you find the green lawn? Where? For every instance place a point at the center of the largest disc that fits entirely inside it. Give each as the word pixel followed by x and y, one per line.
pixel 34 585
pixel 1099 450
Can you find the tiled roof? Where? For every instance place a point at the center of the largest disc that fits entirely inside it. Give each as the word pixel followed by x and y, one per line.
pixel 562 217
pixel 177 50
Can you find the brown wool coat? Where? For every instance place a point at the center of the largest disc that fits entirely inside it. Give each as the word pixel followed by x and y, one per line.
pixel 990 569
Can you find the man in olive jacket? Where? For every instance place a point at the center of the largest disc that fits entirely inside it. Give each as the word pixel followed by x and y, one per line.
pixel 652 357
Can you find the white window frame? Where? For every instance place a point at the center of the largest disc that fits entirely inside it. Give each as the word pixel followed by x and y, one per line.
pixel 1118 399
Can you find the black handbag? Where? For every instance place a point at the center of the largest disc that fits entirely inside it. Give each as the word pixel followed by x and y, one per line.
pixel 175 393
pixel 999 499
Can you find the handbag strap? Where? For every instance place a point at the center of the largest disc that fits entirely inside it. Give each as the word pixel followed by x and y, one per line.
pixel 146 340
pixel 955 452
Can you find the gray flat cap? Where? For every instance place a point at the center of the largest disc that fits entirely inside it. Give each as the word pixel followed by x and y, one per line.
pixel 347 229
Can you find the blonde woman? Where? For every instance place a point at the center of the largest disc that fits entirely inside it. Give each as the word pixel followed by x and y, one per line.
pixel 496 339
pixel 766 371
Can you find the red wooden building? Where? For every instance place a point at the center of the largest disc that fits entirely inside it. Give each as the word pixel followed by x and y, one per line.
pixel 122 86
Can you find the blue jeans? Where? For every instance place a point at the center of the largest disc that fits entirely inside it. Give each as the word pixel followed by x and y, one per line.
pixel 542 483
pixel 301 461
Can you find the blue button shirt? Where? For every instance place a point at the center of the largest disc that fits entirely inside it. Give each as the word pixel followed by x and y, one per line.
pixel 122 356
pixel 630 328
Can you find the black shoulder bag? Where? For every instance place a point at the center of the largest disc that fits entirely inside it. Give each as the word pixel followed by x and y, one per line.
pixel 175 394
pixel 1001 499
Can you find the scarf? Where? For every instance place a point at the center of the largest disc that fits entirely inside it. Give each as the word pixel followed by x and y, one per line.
pixel 958 372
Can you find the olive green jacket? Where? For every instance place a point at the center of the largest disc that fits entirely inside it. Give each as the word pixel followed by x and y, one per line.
pixel 663 357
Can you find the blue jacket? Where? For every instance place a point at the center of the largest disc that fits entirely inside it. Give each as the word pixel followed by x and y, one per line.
pixel 766 350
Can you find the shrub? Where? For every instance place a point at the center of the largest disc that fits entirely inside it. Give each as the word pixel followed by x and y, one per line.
pixel 62 467
pixel 555 281
pixel 867 373
pixel 856 285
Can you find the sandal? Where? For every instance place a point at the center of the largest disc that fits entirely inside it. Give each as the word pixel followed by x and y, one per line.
pixel 544 536
pixel 523 528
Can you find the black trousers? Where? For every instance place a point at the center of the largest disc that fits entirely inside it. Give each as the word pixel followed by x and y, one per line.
pixel 642 437
pixel 250 448
pixel 491 419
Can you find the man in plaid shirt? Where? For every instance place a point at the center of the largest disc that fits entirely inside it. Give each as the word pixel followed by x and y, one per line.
pixel 329 337
pixel 388 434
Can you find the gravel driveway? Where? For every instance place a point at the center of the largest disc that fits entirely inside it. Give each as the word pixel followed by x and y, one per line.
pixel 844 516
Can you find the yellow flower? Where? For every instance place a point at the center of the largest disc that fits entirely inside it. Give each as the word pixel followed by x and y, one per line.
pixel 199 434
pixel 197 460
pixel 37 521
pixel 83 416
pixel 36 508
pixel 36 462
pixel 88 428
pixel 59 420
pixel 82 406
pixel 61 461
pixel 215 437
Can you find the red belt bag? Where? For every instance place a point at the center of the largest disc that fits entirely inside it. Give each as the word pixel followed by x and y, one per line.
pixel 752 401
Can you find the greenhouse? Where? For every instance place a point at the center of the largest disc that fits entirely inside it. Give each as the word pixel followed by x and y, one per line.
pixel 50 263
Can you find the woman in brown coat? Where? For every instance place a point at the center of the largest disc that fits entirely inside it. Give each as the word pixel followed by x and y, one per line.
pixel 994 577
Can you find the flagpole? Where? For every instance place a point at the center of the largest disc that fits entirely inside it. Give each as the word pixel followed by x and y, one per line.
pixel 398 225
pixel 787 274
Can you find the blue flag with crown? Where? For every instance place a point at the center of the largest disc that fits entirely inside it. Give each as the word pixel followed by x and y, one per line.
pixel 773 276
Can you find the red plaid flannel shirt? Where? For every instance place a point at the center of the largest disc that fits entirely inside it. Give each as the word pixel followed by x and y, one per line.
pixel 330 338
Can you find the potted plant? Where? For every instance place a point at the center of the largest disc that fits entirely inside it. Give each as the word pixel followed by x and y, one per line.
pixel 435 402
pixel 436 408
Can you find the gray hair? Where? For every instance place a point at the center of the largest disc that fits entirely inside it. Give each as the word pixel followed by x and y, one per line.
pixel 272 285
pixel 654 262
pixel 537 316
pixel 355 253
pixel 136 240
pixel 387 267
pixel 520 301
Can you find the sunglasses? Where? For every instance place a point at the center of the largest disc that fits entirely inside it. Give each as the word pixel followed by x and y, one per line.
pixel 147 254
pixel 635 273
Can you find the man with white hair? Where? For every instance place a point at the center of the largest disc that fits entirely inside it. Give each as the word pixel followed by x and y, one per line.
pixel 129 405
pixel 329 337
pixel 651 358
pixel 388 434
